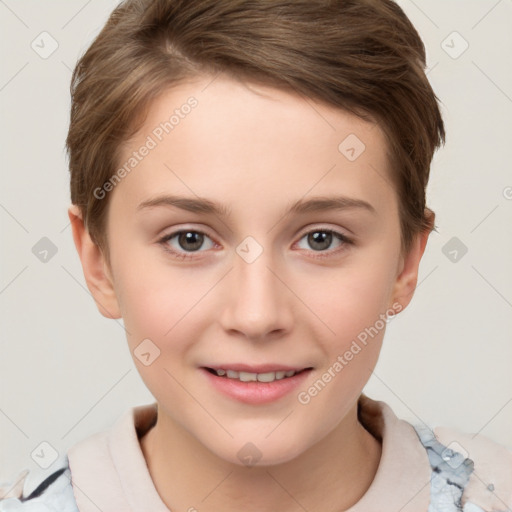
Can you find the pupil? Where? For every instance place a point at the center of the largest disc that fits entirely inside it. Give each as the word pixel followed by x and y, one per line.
pixel 320 237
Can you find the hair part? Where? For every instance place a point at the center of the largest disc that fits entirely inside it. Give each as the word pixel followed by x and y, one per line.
pixel 362 56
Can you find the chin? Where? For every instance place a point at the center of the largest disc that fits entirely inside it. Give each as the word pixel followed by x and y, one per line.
pixel 260 452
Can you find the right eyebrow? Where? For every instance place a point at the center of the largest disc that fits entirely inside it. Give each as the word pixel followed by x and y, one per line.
pixel 201 205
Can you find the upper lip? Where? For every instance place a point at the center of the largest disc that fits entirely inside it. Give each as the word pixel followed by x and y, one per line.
pixel 259 368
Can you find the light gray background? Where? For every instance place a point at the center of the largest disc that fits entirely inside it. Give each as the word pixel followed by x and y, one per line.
pixel 66 372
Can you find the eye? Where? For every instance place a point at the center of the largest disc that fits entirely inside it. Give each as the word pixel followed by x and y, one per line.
pixel 321 239
pixel 187 240
pixel 183 243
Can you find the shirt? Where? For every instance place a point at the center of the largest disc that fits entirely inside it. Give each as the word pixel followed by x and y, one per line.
pixel 420 470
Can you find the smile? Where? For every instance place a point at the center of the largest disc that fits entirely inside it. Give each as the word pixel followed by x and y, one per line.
pixel 254 377
pixel 255 385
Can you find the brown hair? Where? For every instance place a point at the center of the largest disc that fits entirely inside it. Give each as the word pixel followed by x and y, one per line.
pixel 363 56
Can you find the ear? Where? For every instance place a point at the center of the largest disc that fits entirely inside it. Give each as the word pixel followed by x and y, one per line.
pixel 407 279
pixel 96 272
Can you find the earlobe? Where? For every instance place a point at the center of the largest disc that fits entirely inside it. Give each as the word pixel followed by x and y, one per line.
pixel 99 282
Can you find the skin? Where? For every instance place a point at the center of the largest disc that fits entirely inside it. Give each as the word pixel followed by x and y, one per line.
pixel 256 150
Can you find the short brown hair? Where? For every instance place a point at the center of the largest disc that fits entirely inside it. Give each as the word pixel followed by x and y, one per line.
pixel 363 56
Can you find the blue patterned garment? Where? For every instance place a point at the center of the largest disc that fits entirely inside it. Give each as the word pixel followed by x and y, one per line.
pixel 53 494
pixel 450 475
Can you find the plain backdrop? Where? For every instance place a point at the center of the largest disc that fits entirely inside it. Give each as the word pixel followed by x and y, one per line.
pixel 66 372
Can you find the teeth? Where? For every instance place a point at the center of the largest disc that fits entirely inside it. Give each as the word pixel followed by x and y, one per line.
pixel 267 377
pixel 247 377
pixel 255 377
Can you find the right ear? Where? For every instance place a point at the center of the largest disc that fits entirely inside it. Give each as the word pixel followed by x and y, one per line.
pixel 95 268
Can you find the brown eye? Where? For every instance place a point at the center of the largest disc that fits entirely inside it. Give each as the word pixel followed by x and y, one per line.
pixel 185 241
pixel 190 240
pixel 321 240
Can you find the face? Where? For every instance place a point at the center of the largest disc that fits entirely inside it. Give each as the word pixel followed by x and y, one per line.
pixel 258 231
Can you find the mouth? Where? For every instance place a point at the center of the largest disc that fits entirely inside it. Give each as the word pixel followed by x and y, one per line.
pixel 255 376
pixel 255 385
pixel 244 376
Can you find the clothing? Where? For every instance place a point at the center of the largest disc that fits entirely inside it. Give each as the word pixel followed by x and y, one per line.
pixel 418 471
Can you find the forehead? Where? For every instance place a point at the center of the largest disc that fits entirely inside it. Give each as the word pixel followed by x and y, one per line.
pixel 252 144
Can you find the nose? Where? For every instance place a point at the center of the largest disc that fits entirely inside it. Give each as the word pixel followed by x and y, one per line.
pixel 258 303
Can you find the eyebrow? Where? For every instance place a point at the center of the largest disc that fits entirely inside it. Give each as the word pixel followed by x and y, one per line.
pixel 206 206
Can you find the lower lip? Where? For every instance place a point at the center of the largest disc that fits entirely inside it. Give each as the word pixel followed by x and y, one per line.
pixel 256 392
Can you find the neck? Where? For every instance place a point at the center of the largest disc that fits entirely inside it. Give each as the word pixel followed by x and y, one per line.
pixel 332 475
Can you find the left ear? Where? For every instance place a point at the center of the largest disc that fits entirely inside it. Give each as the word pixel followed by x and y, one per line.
pixel 406 281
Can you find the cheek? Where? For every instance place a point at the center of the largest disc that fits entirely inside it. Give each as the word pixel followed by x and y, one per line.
pixel 160 320
pixel 353 305
pixel 151 300
pixel 352 298
pixel 167 305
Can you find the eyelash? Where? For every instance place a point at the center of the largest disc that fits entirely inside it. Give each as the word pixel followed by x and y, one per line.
pixel 319 254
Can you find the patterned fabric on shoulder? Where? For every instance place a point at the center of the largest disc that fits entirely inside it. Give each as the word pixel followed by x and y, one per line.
pixel 456 478
pixel 39 491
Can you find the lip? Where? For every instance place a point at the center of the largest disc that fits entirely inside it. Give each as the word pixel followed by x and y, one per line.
pixel 259 368
pixel 255 393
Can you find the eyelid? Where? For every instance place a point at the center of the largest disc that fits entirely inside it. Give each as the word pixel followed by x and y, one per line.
pixel 323 227
pixel 174 231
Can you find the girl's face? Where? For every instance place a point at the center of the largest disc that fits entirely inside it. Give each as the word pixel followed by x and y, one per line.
pixel 257 231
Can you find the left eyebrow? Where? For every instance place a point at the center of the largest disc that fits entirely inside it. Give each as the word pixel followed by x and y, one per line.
pixel 203 205
pixel 323 203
